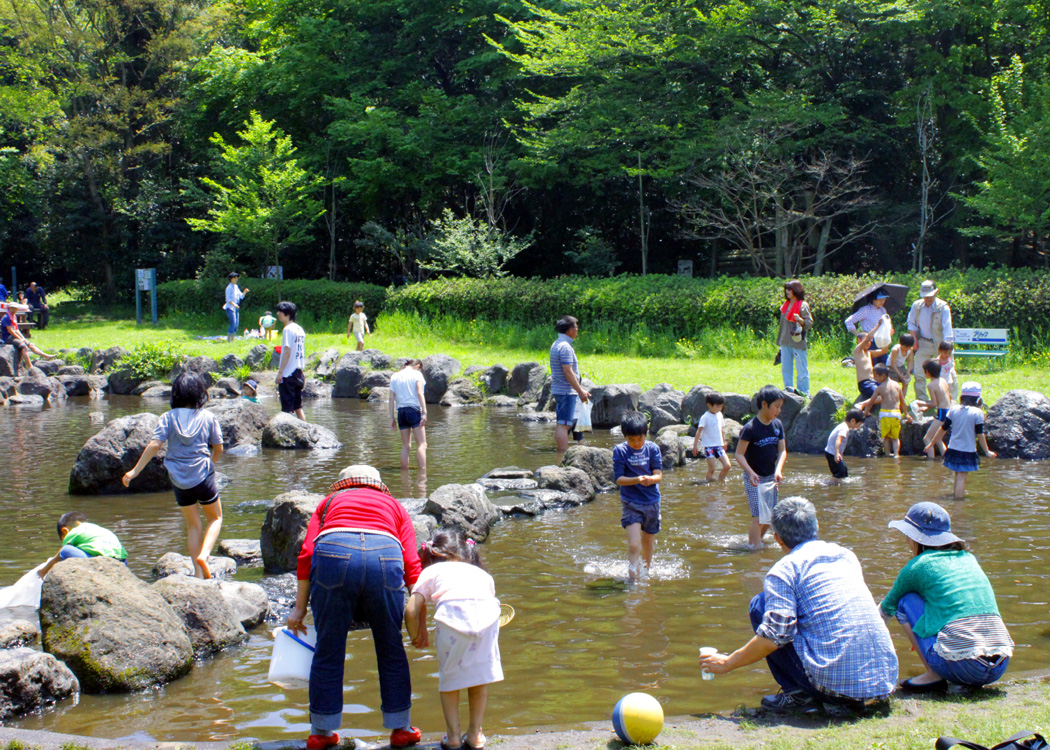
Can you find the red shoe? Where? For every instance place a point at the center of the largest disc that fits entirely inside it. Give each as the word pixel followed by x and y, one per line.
pixel 321 741
pixel 405 737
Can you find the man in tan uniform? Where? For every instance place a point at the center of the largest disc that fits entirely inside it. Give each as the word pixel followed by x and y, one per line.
pixel 930 322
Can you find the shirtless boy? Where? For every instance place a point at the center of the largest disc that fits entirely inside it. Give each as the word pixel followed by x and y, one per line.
pixel 862 357
pixel 890 396
pixel 941 400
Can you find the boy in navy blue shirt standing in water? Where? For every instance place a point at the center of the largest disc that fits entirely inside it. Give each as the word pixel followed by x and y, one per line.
pixel 761 452
pixel 638 468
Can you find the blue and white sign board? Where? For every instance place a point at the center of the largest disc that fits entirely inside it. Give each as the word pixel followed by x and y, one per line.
pixel 275 272
pixel 685 268
pixel 145 281
pixel 989 336
pixel 143 278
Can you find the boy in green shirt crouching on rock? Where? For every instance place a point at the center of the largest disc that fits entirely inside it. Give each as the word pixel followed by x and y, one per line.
pixel 83 539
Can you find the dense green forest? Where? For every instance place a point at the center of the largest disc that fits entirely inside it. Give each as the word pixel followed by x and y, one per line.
pixel 368 141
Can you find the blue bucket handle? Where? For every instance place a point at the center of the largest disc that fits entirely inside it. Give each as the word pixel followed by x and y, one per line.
pixel 298 640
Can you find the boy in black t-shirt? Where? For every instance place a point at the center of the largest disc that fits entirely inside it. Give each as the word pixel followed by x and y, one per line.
pixel 761 453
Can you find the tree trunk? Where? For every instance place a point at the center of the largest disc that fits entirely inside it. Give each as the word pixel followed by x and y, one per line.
pixel 822 246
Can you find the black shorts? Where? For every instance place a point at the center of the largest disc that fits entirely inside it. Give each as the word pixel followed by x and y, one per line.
pixel 205 493
pixel 409 417
pixel 290 389
pixel 838 468
pixel 17 344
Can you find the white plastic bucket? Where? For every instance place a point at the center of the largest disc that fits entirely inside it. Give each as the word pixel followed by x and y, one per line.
pixel 292 657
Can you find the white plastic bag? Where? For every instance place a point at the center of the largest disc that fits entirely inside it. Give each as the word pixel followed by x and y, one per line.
pixel 583 416
pixel 767 498
pixel 25 592
pixel 884 334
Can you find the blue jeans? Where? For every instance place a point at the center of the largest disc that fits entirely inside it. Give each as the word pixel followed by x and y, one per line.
pixel 975 671
pixel 358 576
pixel 784 664
pixel 792 360
pixel 235 319
pixel 69 551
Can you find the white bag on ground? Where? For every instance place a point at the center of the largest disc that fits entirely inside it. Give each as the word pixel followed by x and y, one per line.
pixel 767 498
pixel 583 416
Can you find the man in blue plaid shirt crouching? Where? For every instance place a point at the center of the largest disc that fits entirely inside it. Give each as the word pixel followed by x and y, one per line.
pixel 816 623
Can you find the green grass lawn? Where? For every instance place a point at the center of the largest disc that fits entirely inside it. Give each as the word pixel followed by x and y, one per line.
pixel 747 366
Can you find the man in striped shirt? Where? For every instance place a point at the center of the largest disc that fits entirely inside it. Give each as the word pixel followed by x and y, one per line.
pixel 815 622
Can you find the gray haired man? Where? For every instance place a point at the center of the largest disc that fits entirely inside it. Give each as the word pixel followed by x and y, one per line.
pixel 816 623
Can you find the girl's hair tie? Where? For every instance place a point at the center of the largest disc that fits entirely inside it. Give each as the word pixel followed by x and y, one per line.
pixel 470 542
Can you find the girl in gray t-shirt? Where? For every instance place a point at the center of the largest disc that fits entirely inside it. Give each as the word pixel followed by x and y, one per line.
pixel 966 423
pixel 194 444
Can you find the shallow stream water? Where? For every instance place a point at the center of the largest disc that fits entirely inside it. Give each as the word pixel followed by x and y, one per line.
pixel 576 644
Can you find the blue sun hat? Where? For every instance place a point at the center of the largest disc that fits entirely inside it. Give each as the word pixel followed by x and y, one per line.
pixel 928 524
pixel 881 294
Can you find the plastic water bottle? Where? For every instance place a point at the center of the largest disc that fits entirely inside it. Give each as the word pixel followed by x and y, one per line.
pixel 707 651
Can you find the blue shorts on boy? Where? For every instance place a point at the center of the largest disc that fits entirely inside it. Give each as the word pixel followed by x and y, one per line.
pixel 640 504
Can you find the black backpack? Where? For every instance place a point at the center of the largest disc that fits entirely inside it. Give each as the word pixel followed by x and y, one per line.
pixel 1011 743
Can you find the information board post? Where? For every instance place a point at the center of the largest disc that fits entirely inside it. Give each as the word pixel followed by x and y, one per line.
pixel 145 280
pixel 14 282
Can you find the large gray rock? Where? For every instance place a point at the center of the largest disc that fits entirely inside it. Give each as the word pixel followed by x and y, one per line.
pixel 122 381
pixel 315 388
pixel 438 370
pixel 348 377
pixel 115 632
pixel 230 363
pixel 206 367
pixel 461 392
pixel 23 399
pixel 174 564
pixel 694 405
pixel 671 453
pixel 566 479
pixel 112 452
pixel 9 386
pixel 229 387
pixel 284 529
pixel 491 380
pixel 611 402
pixel 465 507
pixel 158 392
pixel 145 385
pixel 326 364
pixel 48 366
pixel 75 385
pixel 245 552
pixel 596 463
pixel 863 442
pixel 1018 425
pixel 731 432
pixel 546 402
pixel 249 602
pixel 379 395
pixel 71 370
pixel 913 436
pixel 31 681
pixel 9 361
pixel 502 402
pixel 258 357
pixel 15 633
pixel 374 379
pixel 737 406
pixel 662 396
pixel 38 384
pixel 809 430
pixel 659 419
pixel 105 361
pixel 526 380
pixel 208 617
pixel 289 432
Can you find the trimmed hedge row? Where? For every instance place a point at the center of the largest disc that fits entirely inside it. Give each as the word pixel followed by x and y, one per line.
pixel 321 299
pixel 1018 299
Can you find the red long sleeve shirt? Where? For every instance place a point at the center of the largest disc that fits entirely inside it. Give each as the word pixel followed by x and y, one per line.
pixel 363 508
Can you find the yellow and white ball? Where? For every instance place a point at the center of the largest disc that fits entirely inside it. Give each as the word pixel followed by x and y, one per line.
pixel 638 718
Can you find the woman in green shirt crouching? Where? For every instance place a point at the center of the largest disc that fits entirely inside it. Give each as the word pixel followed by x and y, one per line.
pixel 946 606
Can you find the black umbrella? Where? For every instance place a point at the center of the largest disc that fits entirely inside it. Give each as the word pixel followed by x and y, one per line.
pixel 898 297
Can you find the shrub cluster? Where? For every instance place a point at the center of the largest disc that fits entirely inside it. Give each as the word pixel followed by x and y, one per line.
pixel 321 300
pixel 1018 299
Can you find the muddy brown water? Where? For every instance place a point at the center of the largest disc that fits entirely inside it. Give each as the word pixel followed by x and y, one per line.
pixel 576 644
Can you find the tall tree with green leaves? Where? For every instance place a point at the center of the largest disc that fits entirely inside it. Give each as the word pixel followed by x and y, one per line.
pixel 263 199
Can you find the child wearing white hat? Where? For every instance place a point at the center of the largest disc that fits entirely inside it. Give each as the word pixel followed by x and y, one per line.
pixel 965 420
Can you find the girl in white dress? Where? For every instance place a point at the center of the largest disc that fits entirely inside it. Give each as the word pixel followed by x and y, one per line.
pixel 467 633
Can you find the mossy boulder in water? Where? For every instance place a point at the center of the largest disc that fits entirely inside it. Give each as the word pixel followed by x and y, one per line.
pixel 565 479
pixel 115 632
pixel 112 452
pixel 611 402
pixel 284 529
pixel 438 370
pixel 241 421
pixel 810 429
